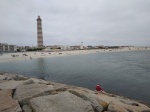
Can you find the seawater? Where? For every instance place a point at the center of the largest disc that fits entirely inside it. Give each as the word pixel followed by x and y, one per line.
pixel 123 73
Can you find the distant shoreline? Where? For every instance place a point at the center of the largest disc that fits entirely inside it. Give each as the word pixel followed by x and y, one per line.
pixel 31 55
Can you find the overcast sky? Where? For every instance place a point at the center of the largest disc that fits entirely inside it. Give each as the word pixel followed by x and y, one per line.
pixel 70 22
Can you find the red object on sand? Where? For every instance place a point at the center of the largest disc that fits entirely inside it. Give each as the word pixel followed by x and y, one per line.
pixel 98 88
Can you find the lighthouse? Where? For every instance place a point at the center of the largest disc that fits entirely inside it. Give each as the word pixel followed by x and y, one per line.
pixel 39 33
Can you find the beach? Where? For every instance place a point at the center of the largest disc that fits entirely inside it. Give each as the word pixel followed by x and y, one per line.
pixel 41 54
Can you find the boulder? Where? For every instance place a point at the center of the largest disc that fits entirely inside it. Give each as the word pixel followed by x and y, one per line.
pixel 26 108
pixel 146 111
pixel 38 95
pixel 128 102
pixel 3 77
pixel 116 108
pixel 10 84
pixel 61 102
pixel 86 96
pixel 102 103
pixel 19 77
pixel 7 104
pixel 40 81
pixel 24 93
pixel 14 77
pixel 59 87
pixel 132 105
pixel 28 82
pixel 6 92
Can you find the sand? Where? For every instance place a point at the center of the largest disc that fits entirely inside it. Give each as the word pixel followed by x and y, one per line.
pixel 31 55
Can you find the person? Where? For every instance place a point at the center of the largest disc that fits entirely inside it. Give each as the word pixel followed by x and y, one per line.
pixel 98 88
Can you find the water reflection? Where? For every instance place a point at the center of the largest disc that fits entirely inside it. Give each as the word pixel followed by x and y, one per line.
pixel 41 65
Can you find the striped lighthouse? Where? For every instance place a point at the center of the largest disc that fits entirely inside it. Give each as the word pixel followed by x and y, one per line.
pixel 39 33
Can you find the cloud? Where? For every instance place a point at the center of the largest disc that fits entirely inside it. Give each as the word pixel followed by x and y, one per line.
pixel 68 22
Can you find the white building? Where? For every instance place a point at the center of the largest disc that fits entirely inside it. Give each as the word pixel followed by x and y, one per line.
pixel 48 49
pixel 7 48
pixel 58 48
pixel 65 47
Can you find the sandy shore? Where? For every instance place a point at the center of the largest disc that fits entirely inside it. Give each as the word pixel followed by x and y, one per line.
pixel 30 55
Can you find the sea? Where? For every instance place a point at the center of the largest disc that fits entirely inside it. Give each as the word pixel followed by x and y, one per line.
pixel 123 73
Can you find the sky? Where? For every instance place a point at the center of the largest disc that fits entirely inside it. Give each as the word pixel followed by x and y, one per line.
pixel 70 22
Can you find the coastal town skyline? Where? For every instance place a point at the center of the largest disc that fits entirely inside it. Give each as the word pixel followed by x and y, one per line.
pixel 99 22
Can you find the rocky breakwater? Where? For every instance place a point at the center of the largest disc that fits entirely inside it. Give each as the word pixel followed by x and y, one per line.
pixel 23 94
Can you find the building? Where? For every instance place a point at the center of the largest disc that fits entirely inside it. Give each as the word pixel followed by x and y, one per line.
pixel 39 33
pixel 26 47
pixel 90 47
pixel 58 48
pixel 52 48
pixel 48 49
pixel 7 48
pixel 81 47
pixel 65 47
pixel 21 49
pixel 77 47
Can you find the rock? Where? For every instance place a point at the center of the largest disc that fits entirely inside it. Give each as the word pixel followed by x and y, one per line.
pixel 102 103
pixel 128 102
pixel 11 84
pixel 2 73
pixel 116 108
pixel 146 111
pixel 24 93
pixel 54 92
pixel 61 102
pixel 6 92
pixel 1 81
pixel 87 97
pixel 40 81
pixel 59 87
pixel 14 77
pixel 26 108
pixel 19 77
pixel 38 95
pixel 7 104
pixel 135 104
pixel 132 105
pixel 28 82
pixel 124 102
pixel 3 77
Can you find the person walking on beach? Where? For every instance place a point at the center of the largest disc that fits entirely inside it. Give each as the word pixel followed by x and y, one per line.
pixel 98 88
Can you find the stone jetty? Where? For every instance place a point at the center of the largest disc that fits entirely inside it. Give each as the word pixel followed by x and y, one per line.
pixel 26 94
